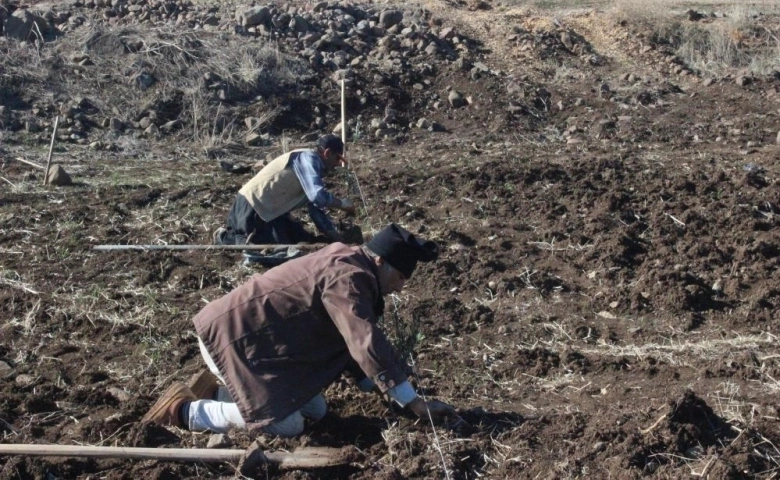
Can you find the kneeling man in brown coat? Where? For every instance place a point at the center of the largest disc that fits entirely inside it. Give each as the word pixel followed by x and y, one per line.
pixel 279 340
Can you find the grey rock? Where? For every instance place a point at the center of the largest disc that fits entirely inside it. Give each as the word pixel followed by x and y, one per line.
pixel 106 44
pixel 456 99
pixel 567 41
pixel 336 130
pixel 385 132
pixel 5 369
pixel 219 440
pixel 253 139
pixel 515 108
pixel 342 74
pixel 23 25
pixel 24 380
pixel 119 394
pixel 463 64
pixel 436 127
pixel 253 16
pixel 299 24
pixel 58 176
pixel 363 28
pixel 116 124
pixel 447 33
pixel 281 21
pixel 145 80
pixel 32 126
pixel 390 18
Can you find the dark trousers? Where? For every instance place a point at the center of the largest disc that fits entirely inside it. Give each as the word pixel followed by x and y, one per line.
pixel 245 224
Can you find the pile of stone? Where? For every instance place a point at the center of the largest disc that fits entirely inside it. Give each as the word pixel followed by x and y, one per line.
pixel 374 48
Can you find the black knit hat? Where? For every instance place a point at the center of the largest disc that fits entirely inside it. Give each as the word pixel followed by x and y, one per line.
pixel 401 249
pixel 332 142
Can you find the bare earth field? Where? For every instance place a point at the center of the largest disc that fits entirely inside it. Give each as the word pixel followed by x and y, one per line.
pixel 604 189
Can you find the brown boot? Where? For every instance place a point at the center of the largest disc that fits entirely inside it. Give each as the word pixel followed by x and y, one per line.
pixel 166 410
pixel 204 385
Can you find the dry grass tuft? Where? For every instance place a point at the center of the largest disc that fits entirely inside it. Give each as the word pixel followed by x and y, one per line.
pixel 206 81
pixel 731 38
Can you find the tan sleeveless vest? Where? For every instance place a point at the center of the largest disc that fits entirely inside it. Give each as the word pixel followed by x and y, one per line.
pixel 275 190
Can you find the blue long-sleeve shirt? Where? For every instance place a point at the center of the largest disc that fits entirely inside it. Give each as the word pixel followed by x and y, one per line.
pixel 309 168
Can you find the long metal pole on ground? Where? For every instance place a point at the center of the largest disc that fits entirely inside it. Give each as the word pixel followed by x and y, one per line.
pixel 51 149
pixel 105 248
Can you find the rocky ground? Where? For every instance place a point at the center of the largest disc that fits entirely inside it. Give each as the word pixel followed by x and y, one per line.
pixel 604 185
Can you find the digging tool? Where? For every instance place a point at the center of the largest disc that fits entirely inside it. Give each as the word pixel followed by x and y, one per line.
pixel 51 149
pixel 247 460
pixel 304 246
pixel 346 165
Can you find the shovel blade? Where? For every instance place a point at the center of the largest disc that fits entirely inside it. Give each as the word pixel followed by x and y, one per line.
pixel 313 457
pixel 300 458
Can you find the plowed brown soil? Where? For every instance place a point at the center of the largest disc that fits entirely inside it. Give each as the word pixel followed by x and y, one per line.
pixel 604 307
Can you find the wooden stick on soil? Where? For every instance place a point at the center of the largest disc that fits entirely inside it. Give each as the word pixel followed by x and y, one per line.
pixel 9 182
pixel 652 427
pixel 32 164
pixel 51 148
pixel 706 469
pixel 304 457
pixel 107 248
pixel 8 426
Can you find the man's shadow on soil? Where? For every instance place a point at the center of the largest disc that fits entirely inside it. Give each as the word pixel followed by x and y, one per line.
pixel 365 431
pixel 358 430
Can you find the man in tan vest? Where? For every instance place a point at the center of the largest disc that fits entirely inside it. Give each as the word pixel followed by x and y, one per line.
pixel 260 212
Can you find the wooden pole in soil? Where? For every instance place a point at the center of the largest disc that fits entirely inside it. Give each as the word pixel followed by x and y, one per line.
pixel 107 248
pixel 51 149
pixel 344 116
pixel 344 141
